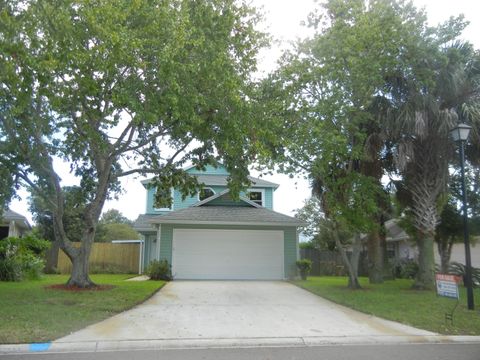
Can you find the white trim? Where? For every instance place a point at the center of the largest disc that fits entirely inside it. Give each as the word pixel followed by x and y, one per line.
pixel 257 190
pixel 207 187
pixel 208 222
pixel 171 208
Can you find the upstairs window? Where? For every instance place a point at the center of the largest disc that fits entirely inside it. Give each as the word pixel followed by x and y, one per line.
pixel 257 196
pixel 165 196
pixel 205 193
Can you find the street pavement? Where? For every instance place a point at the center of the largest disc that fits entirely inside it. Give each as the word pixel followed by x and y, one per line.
pixel 345 352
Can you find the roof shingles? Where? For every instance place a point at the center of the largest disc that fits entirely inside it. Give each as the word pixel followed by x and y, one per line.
pixel 226 215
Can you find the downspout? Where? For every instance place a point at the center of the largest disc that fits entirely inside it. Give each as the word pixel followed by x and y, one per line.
pixel 159 235
pixel 141 255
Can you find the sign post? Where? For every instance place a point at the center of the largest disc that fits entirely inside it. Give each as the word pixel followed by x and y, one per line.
pixel 447 286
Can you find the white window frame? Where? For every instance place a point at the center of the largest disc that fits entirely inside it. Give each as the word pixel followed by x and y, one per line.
pixel 257 190
pixel 207 187
pixel 172 194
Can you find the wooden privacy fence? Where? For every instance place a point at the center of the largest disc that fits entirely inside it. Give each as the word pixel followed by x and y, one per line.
pixel 326 262
pixel 106 258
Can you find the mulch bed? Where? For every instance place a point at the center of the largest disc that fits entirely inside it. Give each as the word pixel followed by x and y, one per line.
pixel 77 289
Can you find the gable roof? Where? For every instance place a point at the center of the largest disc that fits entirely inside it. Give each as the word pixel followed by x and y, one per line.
pixel 221 180
pixel 222 193
pixel 10 215
pixel 227 215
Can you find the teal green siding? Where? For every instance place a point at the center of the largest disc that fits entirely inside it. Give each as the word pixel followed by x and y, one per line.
pixel 289 241
pixel 178 203
pixel 150 249
pixel 209 170
pixel 268 198
pixel 290 251
pixel 166 238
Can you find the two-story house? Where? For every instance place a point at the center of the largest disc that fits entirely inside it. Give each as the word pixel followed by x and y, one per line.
pixel 211 236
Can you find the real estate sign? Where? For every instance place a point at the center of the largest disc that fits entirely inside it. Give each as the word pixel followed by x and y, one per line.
pixel 447 285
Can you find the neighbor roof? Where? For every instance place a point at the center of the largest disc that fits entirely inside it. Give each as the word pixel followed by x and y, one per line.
pixel 143 223
pixel 394 231
pixel 10 215
pixel 227 215
pixel 221 180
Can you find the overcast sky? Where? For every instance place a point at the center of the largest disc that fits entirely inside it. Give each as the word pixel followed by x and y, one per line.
pixel 283 20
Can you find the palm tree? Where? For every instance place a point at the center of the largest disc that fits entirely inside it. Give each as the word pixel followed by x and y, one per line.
pixel 425 101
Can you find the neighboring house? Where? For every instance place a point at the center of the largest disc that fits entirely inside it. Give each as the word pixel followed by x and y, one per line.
pixel 13 224
pixel 212 236
pixel 401 247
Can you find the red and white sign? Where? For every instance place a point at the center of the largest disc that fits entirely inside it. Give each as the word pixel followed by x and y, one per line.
pixel 447 285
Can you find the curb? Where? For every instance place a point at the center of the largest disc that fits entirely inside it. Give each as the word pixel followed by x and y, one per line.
pixel 169 344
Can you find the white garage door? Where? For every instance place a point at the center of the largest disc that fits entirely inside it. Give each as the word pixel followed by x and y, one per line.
pixel 227 254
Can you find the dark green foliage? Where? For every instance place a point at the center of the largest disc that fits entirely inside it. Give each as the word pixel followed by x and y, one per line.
pixel 405 269
pixel 159 270
pixel 21 258
pixel 459 269
pixel 75 203
pixel 115 231
pixel 114 216
pixel 304 266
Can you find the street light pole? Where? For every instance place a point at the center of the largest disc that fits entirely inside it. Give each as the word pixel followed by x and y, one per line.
pixel 460 134
pixel 466 239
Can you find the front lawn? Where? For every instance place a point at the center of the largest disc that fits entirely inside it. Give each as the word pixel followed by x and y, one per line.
pixel 395 300
pixel 31 312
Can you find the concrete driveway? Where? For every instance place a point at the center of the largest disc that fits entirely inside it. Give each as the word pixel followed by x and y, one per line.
pixel 243 311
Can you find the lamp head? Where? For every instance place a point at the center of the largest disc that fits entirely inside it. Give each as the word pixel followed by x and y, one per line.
pixel 460 132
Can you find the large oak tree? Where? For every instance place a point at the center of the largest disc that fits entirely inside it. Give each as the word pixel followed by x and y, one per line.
pixel 121 87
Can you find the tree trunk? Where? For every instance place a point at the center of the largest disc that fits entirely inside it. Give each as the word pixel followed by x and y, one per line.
pixel 80 265
pixel 425 279
pixel 351 264
pixel 51 258
pixel 387 267
pixel 375 258
pixel 444 246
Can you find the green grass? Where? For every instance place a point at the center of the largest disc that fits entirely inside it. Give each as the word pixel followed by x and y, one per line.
pixel 395 300
pixel 30 312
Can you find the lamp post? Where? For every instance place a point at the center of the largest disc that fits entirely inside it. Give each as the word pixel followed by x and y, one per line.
pixel 460 135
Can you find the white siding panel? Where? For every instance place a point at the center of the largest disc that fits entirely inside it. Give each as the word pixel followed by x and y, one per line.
pixel 228 254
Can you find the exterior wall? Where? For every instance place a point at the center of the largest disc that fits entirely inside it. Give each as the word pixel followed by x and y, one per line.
pixel 289 241
pixel 458 254
pixel 209 170
pixel 150 249
pixel 179 203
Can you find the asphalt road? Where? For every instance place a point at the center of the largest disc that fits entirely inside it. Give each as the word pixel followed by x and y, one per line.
pixel 345 352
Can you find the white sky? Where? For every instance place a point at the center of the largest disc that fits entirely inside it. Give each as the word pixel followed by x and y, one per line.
pixel 283 21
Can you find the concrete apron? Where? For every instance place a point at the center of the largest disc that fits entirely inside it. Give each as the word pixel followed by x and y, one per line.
pixel 209 314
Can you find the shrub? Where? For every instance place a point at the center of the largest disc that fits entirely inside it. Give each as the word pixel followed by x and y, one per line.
pixel 22 258
pixel 159 270
pixel 405 269
pixel 456 268
pixel 304 266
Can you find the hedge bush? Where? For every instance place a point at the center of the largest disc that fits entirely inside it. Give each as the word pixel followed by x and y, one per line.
pixel 22 258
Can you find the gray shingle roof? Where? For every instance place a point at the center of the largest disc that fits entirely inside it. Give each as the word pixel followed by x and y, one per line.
pixel 10 215
pixel 221 180
pixel 143 223
pixel 227 215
